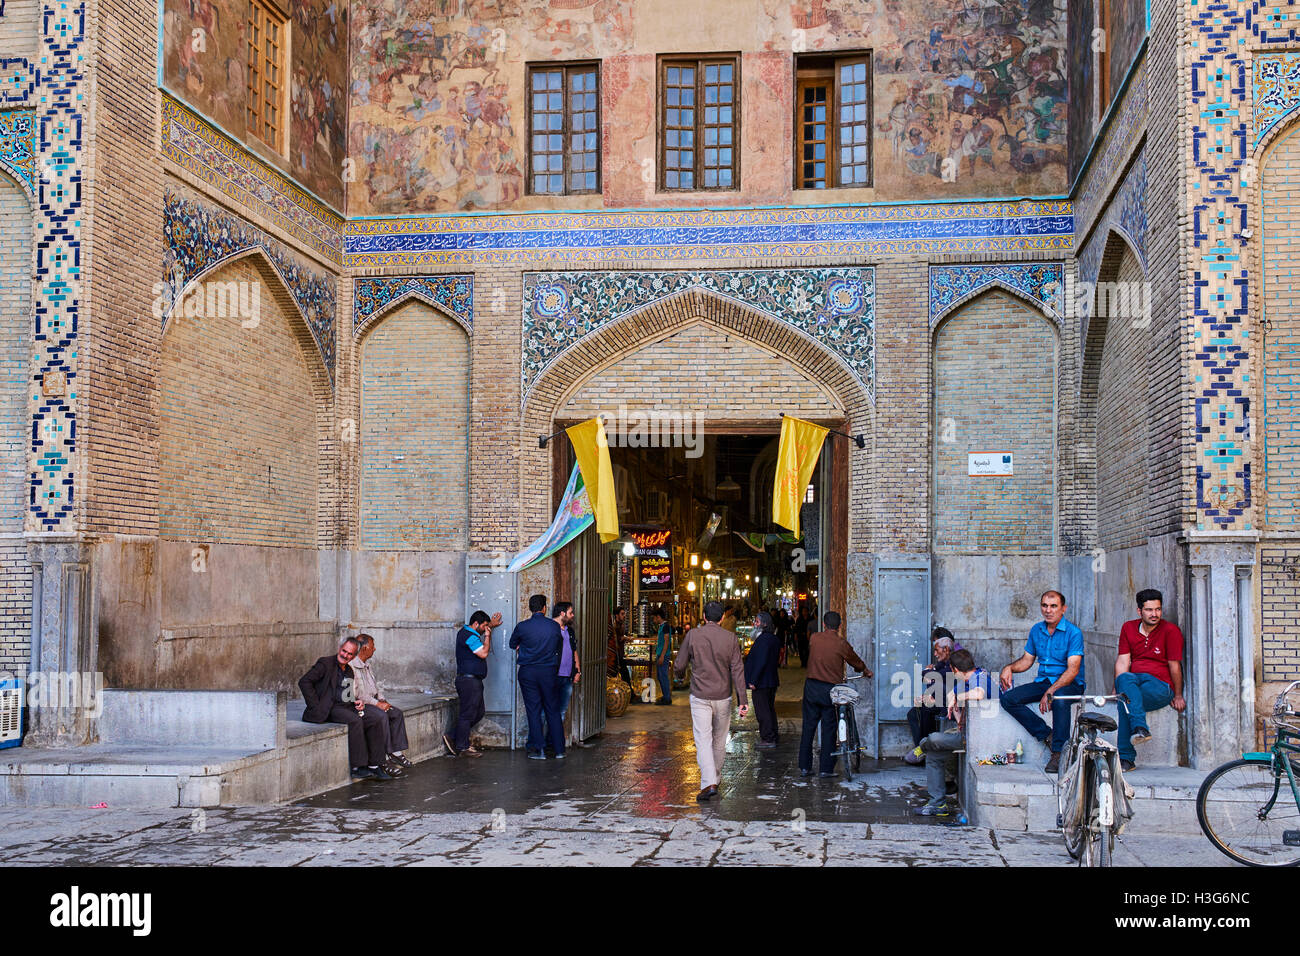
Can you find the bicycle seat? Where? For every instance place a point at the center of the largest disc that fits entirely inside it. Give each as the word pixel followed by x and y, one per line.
pixel 844 694
pixel 1102 722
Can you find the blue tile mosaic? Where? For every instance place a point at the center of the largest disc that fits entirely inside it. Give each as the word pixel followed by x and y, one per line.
pixel 833 306
pixel 17 146
pixel 200 237
pixel 454 293
pixel 17 81
pixel 1276 90
pixel 1041 282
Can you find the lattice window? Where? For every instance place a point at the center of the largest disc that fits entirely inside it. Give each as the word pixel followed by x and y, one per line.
pixel 564 129
pixel 833 121
pixel 267 33
pixel 699 123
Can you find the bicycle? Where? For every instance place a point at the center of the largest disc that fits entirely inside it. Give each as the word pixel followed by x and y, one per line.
pixel 846 739
pixel 1090 783
pixel 1238 804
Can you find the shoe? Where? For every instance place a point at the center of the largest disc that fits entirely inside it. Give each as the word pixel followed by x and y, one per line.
pixel 765 745
pixel 536 755
pixel 451 747
pixel 826 773
pixel 804 773
pixel 392 768
pixel 1127 765
pixel 932 809
pixel 1053 764
pixel 559 756
pixel 379 773
pixel 472 751
pixel 707 794
pixel 401 760
pixel 914 757
pixel 663 703
pixel 1140 735
pixel 361 773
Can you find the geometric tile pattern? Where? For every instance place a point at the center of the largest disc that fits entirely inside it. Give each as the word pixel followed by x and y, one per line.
pixel 200 237
pixel 834 306
pixel 1276 90
pixel 711 234
pixel 1218 266
pixel 454 293
pixel 218 161
pixel 1273 21
pixel 17 146
pixel 1040 282
pixel 61 97
pixel 17 81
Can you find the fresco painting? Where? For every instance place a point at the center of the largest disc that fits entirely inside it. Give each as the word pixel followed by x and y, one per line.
pixel 205 45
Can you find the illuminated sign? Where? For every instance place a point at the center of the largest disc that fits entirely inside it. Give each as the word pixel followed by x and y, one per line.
pixel 656 574
pixel 648 540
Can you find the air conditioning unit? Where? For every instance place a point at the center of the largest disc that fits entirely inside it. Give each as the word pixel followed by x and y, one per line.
pixel 11 713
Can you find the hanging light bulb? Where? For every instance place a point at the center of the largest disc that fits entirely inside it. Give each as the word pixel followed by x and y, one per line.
pixel 690 586
pixel 707 565
pixel 629 549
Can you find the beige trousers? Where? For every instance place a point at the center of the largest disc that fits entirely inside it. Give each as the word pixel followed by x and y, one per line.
pixel 710 722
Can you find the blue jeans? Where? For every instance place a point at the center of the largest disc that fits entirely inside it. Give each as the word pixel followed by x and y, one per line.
pixel 1145 692
pixel 665 684
pixel 1022 703
pixel 563 687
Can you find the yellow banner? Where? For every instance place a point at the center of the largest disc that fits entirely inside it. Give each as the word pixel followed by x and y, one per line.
pixel 801 443
pixel 592 451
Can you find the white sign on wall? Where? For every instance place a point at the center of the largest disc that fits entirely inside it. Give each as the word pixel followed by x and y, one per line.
pixel 995 464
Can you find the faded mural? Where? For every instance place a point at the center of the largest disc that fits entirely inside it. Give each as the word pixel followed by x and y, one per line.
pixel 205 45
pixel 970 95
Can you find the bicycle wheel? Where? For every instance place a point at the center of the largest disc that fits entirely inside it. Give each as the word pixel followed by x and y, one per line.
pixel 1230 807
pixel 1073 835
pixel 846 715
pixel 855 745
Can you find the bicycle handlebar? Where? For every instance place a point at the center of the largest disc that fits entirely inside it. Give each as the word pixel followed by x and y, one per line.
pixel 1098 699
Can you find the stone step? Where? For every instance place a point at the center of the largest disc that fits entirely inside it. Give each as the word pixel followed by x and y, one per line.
pixel 1023 798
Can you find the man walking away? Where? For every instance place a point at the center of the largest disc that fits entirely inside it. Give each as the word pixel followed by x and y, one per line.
pixel 1148 670
pixel 713 654
pixel 761 674
pixel 329 690
pixel 538 639
pixel 663 651
pixel 473 645
pixel 827 655
pixel 1057 645
pixel 368 692
pixel 570 670
pixel 973 683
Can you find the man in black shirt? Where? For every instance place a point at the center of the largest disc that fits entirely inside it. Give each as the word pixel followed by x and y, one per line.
pixel 473 645
pixel 329 690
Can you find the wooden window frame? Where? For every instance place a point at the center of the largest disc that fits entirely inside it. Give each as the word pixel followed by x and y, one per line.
pixel 260 13
pixel 568 67
pixel 829 74
pixel 698 62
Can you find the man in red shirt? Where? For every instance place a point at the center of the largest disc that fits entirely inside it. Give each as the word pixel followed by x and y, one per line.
pixel 1148 670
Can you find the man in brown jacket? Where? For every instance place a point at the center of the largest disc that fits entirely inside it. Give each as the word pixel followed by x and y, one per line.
pixel 827 655
pixel 713 654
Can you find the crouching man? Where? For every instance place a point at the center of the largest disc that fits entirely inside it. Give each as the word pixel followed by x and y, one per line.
pixel 368 692
pixel 329 690
pixel 972 683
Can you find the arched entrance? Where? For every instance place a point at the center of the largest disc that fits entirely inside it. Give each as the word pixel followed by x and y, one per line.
pixel 693 361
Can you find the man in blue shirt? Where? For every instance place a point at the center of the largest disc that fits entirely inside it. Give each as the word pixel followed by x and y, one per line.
pixel 663 655
pixel 473 645
pixel 537 639
pixel 966 683
pixel 1057 645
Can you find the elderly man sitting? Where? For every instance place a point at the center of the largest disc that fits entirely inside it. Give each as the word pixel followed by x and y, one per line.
pixel 367 691
pixel 329 690
pixel 923 719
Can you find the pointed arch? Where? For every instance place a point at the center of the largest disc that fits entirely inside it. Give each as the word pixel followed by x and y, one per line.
pixel 410 295
pixel 1042 308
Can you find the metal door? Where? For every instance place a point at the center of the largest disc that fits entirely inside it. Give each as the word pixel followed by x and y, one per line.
pixel 591 615
pixel 491 590
pixel 902 633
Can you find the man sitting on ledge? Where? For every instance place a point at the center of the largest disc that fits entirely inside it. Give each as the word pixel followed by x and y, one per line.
pixel 329 690
pixel 1148 670
pixel 367 691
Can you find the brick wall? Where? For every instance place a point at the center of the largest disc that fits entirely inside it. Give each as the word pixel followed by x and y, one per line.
pixel 15 353
pixel 18 29
pixel 1281 238
pixel 1122 438
pixel 1279 595
pixel 995 378
pixel 238 425
pixel 415 404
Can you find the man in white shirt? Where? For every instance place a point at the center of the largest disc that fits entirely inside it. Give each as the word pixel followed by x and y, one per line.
pixel 368 692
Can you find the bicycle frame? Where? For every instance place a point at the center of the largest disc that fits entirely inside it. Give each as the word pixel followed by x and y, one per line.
pixel 1096 762
pixel 1284 744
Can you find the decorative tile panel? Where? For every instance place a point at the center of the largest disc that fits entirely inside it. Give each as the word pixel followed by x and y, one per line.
pixel 1272 21
pixel 1219 279
pixel 223 164
pixel 835 307
pixel 17 81
pixel 60 95
pixel 18 147
pixel 1276 90
pixel 200 237
pixel 1041 282
pixel 454 293
pixel 1126 214
pixel 712 234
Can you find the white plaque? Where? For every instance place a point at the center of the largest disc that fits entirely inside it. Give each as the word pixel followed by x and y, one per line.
pixel 993 464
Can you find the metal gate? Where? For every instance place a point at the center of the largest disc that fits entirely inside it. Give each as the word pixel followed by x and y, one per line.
pixel 902 633
pixel 591 615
